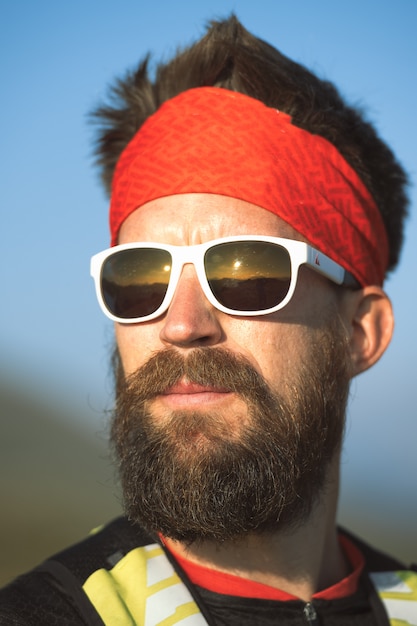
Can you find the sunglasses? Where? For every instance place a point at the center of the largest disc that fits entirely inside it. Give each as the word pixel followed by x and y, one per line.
pixel 243 275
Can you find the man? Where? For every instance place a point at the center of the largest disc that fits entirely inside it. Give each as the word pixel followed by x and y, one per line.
pixel 254 216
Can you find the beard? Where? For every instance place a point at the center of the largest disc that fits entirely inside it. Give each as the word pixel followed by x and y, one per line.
pixel 192 478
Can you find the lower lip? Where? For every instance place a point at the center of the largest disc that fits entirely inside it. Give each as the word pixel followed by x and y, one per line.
pixel 201 398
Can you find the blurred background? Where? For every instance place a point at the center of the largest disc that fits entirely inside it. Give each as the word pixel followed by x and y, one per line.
pixel 56 478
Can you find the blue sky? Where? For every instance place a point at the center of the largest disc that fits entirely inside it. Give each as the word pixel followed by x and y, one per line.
pixel 56 60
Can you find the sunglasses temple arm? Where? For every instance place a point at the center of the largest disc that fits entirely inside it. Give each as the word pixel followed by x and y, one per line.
pixel 326 267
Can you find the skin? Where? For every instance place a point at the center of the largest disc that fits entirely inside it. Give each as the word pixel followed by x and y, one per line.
pixel 309 558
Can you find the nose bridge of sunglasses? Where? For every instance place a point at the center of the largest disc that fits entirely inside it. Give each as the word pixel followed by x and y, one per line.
pixel 188 263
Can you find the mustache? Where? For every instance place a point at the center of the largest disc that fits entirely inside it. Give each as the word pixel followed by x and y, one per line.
pixel 214 367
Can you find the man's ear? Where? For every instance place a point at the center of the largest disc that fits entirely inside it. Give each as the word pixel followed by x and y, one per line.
pixel 368 313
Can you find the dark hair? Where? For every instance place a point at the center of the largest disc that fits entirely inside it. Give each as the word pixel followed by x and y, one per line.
pixel 229 56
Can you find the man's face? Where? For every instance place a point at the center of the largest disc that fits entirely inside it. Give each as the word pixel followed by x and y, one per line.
pixel 271 343
pixel 233 390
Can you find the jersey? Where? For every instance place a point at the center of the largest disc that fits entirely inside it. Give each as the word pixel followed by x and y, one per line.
pixel 120 576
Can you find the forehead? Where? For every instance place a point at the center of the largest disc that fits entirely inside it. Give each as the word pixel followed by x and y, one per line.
pixel 187 219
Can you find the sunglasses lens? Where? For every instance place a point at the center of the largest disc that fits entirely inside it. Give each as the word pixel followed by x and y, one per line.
pixel 248 276
pixel 134 282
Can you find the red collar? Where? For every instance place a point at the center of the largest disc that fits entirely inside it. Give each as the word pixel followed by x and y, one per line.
pixel 229 584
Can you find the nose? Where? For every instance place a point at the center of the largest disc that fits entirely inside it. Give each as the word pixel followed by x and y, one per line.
pixel 191 320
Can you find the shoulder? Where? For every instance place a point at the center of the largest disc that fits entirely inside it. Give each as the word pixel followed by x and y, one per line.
pixel 102 548
pixel 375 560
pixel 391 585
pixel 52 593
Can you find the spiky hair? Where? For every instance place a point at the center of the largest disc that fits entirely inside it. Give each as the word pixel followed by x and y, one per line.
pixel 230 57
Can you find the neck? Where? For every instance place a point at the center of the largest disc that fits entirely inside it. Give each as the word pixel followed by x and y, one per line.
pixel 301 562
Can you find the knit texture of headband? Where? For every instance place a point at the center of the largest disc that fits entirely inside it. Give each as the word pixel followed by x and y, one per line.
pixel 211 140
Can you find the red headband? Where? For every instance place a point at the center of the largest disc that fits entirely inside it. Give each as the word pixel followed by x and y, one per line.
pixel 211 140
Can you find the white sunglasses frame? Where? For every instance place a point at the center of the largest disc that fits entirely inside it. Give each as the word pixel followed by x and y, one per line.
pixel 300 253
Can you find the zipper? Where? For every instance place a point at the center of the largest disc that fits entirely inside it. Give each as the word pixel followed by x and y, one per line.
pixel 310 615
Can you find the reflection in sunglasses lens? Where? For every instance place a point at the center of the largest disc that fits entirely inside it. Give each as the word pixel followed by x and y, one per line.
pixel 134 282
pixel 248 276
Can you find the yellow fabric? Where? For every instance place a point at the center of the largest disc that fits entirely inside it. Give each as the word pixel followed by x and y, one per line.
pixel 142 589
pixel 398 591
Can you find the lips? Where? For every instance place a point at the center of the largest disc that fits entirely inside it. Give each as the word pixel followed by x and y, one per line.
pixel 186 387
pixel 189 394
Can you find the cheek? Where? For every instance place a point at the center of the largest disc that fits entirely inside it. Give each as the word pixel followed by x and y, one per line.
pixel 280 346
pixel 288 350
pixel 273 347
pixel 136 343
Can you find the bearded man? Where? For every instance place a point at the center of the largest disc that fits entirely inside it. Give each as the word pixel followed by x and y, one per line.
pixel 254 217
